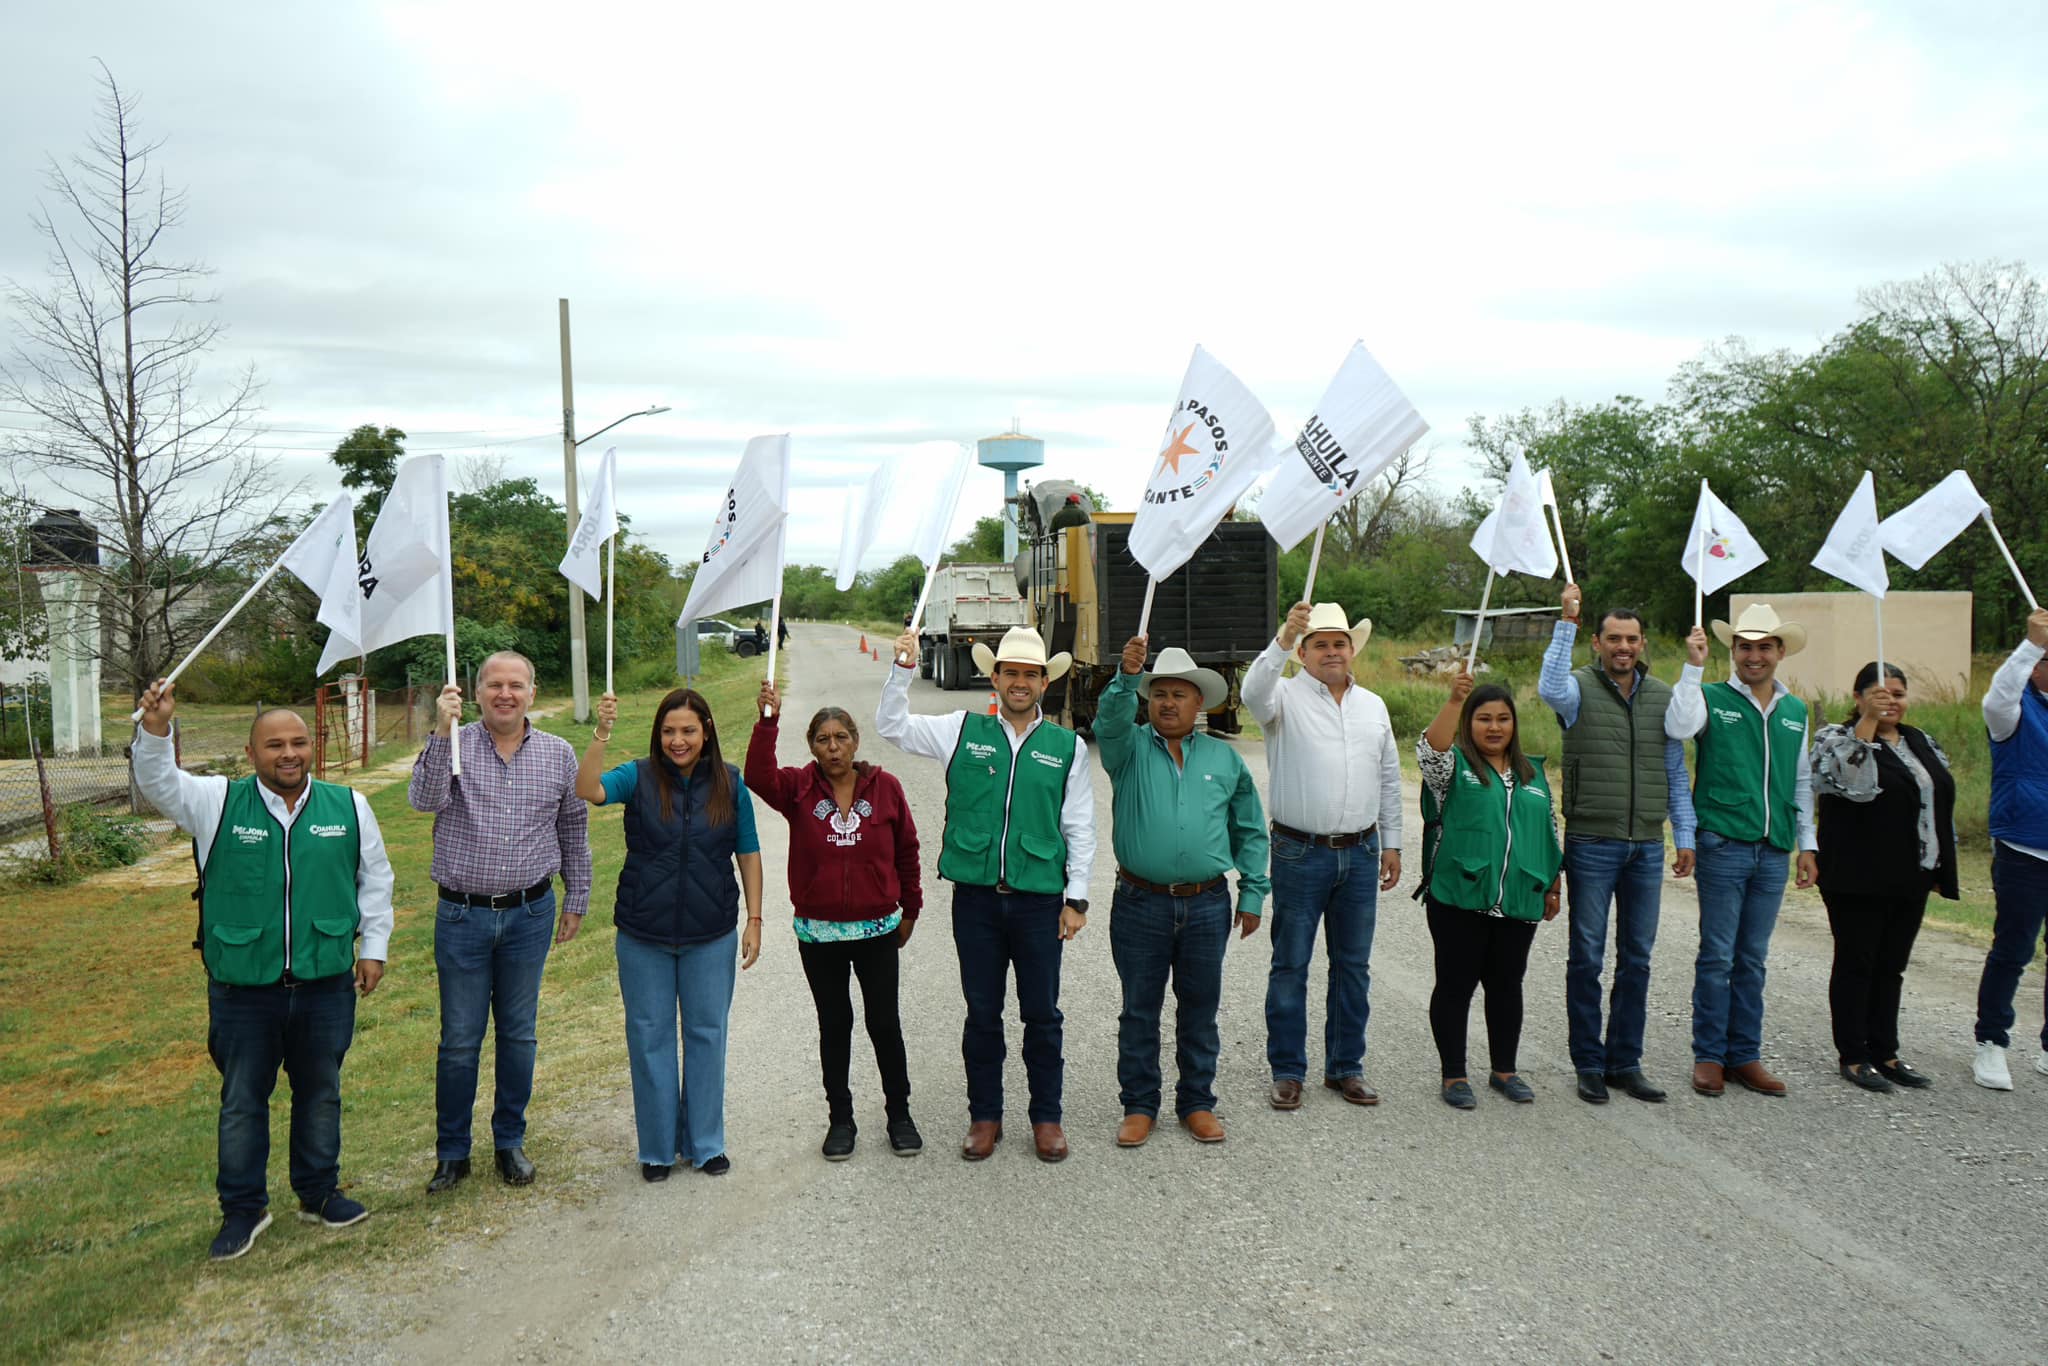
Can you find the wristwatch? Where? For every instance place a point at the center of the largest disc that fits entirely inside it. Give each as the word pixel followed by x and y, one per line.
pixel 1080 906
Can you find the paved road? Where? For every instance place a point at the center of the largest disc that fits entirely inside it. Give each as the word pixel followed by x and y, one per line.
pixel 1830 1226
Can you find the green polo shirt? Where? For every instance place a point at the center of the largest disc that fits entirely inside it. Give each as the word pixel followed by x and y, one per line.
pixel 1175 823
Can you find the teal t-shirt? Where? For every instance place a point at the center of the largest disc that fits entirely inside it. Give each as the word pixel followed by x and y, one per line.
pixel 621 782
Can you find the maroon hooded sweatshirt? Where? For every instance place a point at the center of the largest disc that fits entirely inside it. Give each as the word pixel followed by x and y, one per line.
pixel 859 865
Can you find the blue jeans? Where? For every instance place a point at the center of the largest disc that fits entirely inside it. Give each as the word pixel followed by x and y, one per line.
pixel 660 985
pixel 489 964
pixel 2020 882
pixel 250 1032
pixel 994 932
pixel 1631 875
pixel 1341 889
pixel 1153 936
pixel 1740 887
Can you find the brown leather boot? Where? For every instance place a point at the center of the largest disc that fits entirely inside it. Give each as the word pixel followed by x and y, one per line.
pixel 1757 1078
pixel 1133 1132
pixel 1051 1142
pixel 1203 1126
pixel 1353 1089
pixel 1708 1078
pixel 1287 1094
pixel 981 1140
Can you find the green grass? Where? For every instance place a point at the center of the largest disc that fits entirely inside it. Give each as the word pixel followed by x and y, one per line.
pixel 108 1101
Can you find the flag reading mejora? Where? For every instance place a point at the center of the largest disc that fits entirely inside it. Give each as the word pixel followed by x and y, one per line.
pixel 402 575
pixel 1218 441
pixel 742 560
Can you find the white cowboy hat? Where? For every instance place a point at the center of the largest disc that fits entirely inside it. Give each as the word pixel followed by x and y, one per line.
pixel 1175 662
pixel 1329 616
pixel 1759 621
pixel 1021 645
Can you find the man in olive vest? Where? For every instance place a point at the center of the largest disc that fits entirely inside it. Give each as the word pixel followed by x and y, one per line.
pixel 1018 847
pixel 1624 776
pixel 1753 794
pixel 290 871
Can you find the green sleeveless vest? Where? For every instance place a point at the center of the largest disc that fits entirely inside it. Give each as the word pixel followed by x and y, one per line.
pixel 1614 783
pixel 1743 786
pixel 1003 826
pixel 1488 857
pixel 269 897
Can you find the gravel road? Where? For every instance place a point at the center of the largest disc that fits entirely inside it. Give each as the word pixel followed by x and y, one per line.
pixel 1829 1226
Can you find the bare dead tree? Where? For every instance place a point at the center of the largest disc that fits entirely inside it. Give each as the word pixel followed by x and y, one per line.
pixel 476 473
pixel 1360 529
pixel 106 357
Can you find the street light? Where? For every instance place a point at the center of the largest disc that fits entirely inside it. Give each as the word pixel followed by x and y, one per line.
pixel 644 412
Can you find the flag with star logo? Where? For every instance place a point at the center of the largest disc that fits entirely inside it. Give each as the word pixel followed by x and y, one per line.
pixel 1216 445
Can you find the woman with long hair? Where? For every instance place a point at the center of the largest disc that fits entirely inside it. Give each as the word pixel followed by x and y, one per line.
pixel 856 886
pixel 688 821
pixel 1493 870
pixel 1886 802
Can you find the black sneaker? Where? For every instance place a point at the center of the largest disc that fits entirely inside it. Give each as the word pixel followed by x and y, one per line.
pixel 838 1141
pixel 237 1235
pixel 903 1137
pixel 651 1172
pixel 717 1166
pixel 336 1211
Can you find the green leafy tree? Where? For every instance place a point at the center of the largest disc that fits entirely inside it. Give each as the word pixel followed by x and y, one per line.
pixel 368 458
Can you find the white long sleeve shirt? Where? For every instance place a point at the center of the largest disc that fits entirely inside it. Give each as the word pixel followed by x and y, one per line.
pixel 2002 708
pixel 1686 717
pixel 195 804
pixel 936 737
pixel 1332 766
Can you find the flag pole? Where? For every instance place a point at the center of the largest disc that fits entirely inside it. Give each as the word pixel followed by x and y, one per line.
pixel 1315 558
pixel 924 595
pixel 2011 563
pixel 448 606
pixel 1557 520
pixel 611 596
pixel 1145 611
pixel 1479 622
pixel 218 627
pixel 774 631
pixel 1879 602
pixel 1699 577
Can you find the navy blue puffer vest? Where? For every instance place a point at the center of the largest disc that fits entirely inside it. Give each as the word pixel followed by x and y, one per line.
pixel 678 885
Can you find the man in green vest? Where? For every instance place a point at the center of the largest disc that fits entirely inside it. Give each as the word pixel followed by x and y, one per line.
pixel 1754 796
pixel 291 871
pixel 1186 814
pixel 1018 847
pixel 1624 776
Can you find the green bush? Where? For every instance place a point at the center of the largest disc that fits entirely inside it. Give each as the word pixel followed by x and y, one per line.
pixel 91 841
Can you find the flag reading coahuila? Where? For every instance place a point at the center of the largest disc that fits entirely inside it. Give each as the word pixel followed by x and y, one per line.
pixel 1514 538
pixel 583 565
pixel 324 559
pixel 1852 552
pixel 1719 549
pixel 1922 527
pixel 1217 443
pixel 403 578
pixel 1362 422
pixel 742 561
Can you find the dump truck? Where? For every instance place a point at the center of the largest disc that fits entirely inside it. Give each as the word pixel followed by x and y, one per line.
pixel 969 603
pixel 1084 592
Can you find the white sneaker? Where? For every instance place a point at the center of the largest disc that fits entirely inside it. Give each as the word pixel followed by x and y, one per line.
pixel 2041 1064
pixel 1990 1069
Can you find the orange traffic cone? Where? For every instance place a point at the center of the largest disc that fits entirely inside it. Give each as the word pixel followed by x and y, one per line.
pixel 992 704
pixel 863 642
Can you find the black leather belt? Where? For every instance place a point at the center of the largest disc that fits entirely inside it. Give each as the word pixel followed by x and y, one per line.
pixel 504 901
pixel 1170 888
pixel 1326 841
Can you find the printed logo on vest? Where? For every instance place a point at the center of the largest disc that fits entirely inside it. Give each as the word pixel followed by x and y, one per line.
pixel 1792 723
pixel 1727 714
pixel 327 832
pixel 1049 760
pixel 249 834
pixel 980 751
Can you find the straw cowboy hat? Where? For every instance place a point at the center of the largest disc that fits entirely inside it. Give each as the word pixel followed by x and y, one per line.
pixel 1175 662
pixel 1759 621
pixel 1021 645
pixel 1329 616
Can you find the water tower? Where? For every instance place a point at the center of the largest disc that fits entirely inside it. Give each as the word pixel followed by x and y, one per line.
pixel 1010 452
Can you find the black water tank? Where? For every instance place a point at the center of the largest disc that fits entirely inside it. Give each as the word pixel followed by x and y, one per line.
pixel 61 536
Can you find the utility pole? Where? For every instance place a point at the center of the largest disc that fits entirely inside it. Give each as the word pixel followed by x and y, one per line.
pixel 579 645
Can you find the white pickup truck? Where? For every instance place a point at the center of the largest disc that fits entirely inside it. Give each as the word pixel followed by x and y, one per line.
pixel 969 603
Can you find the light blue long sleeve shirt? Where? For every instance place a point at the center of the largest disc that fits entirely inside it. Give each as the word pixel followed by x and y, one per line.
pixel 1560 692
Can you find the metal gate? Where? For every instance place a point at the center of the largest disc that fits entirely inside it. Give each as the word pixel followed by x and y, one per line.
pixel 344 726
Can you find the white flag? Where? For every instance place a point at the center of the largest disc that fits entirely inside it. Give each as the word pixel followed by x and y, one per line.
pixel 948 471
pixel 852 540
pixel 926 478
pixel 584 564
pixel 1718 535
pixel 1922 527
pixel 1514 538
pixel 1361 423
pixel 742 561
pixel 1218 441
pixel 403 577
pixel 1852 552
pixel 1546 490
pixel 323 558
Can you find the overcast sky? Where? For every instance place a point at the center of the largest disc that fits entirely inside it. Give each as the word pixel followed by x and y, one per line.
pixel 879 225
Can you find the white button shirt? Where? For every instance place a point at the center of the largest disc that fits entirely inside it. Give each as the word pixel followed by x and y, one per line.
pixel 1331 763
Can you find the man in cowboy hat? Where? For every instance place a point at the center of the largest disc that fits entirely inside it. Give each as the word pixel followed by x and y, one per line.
pixel 1186 813
pixel 1754 796
pixel 1334 774
pixel 1624 776
pixel 1018 847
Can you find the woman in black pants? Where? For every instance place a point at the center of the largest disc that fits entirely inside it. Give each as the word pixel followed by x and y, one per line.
pixel 1886 805
pixel 1493 870
pixel 855 881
